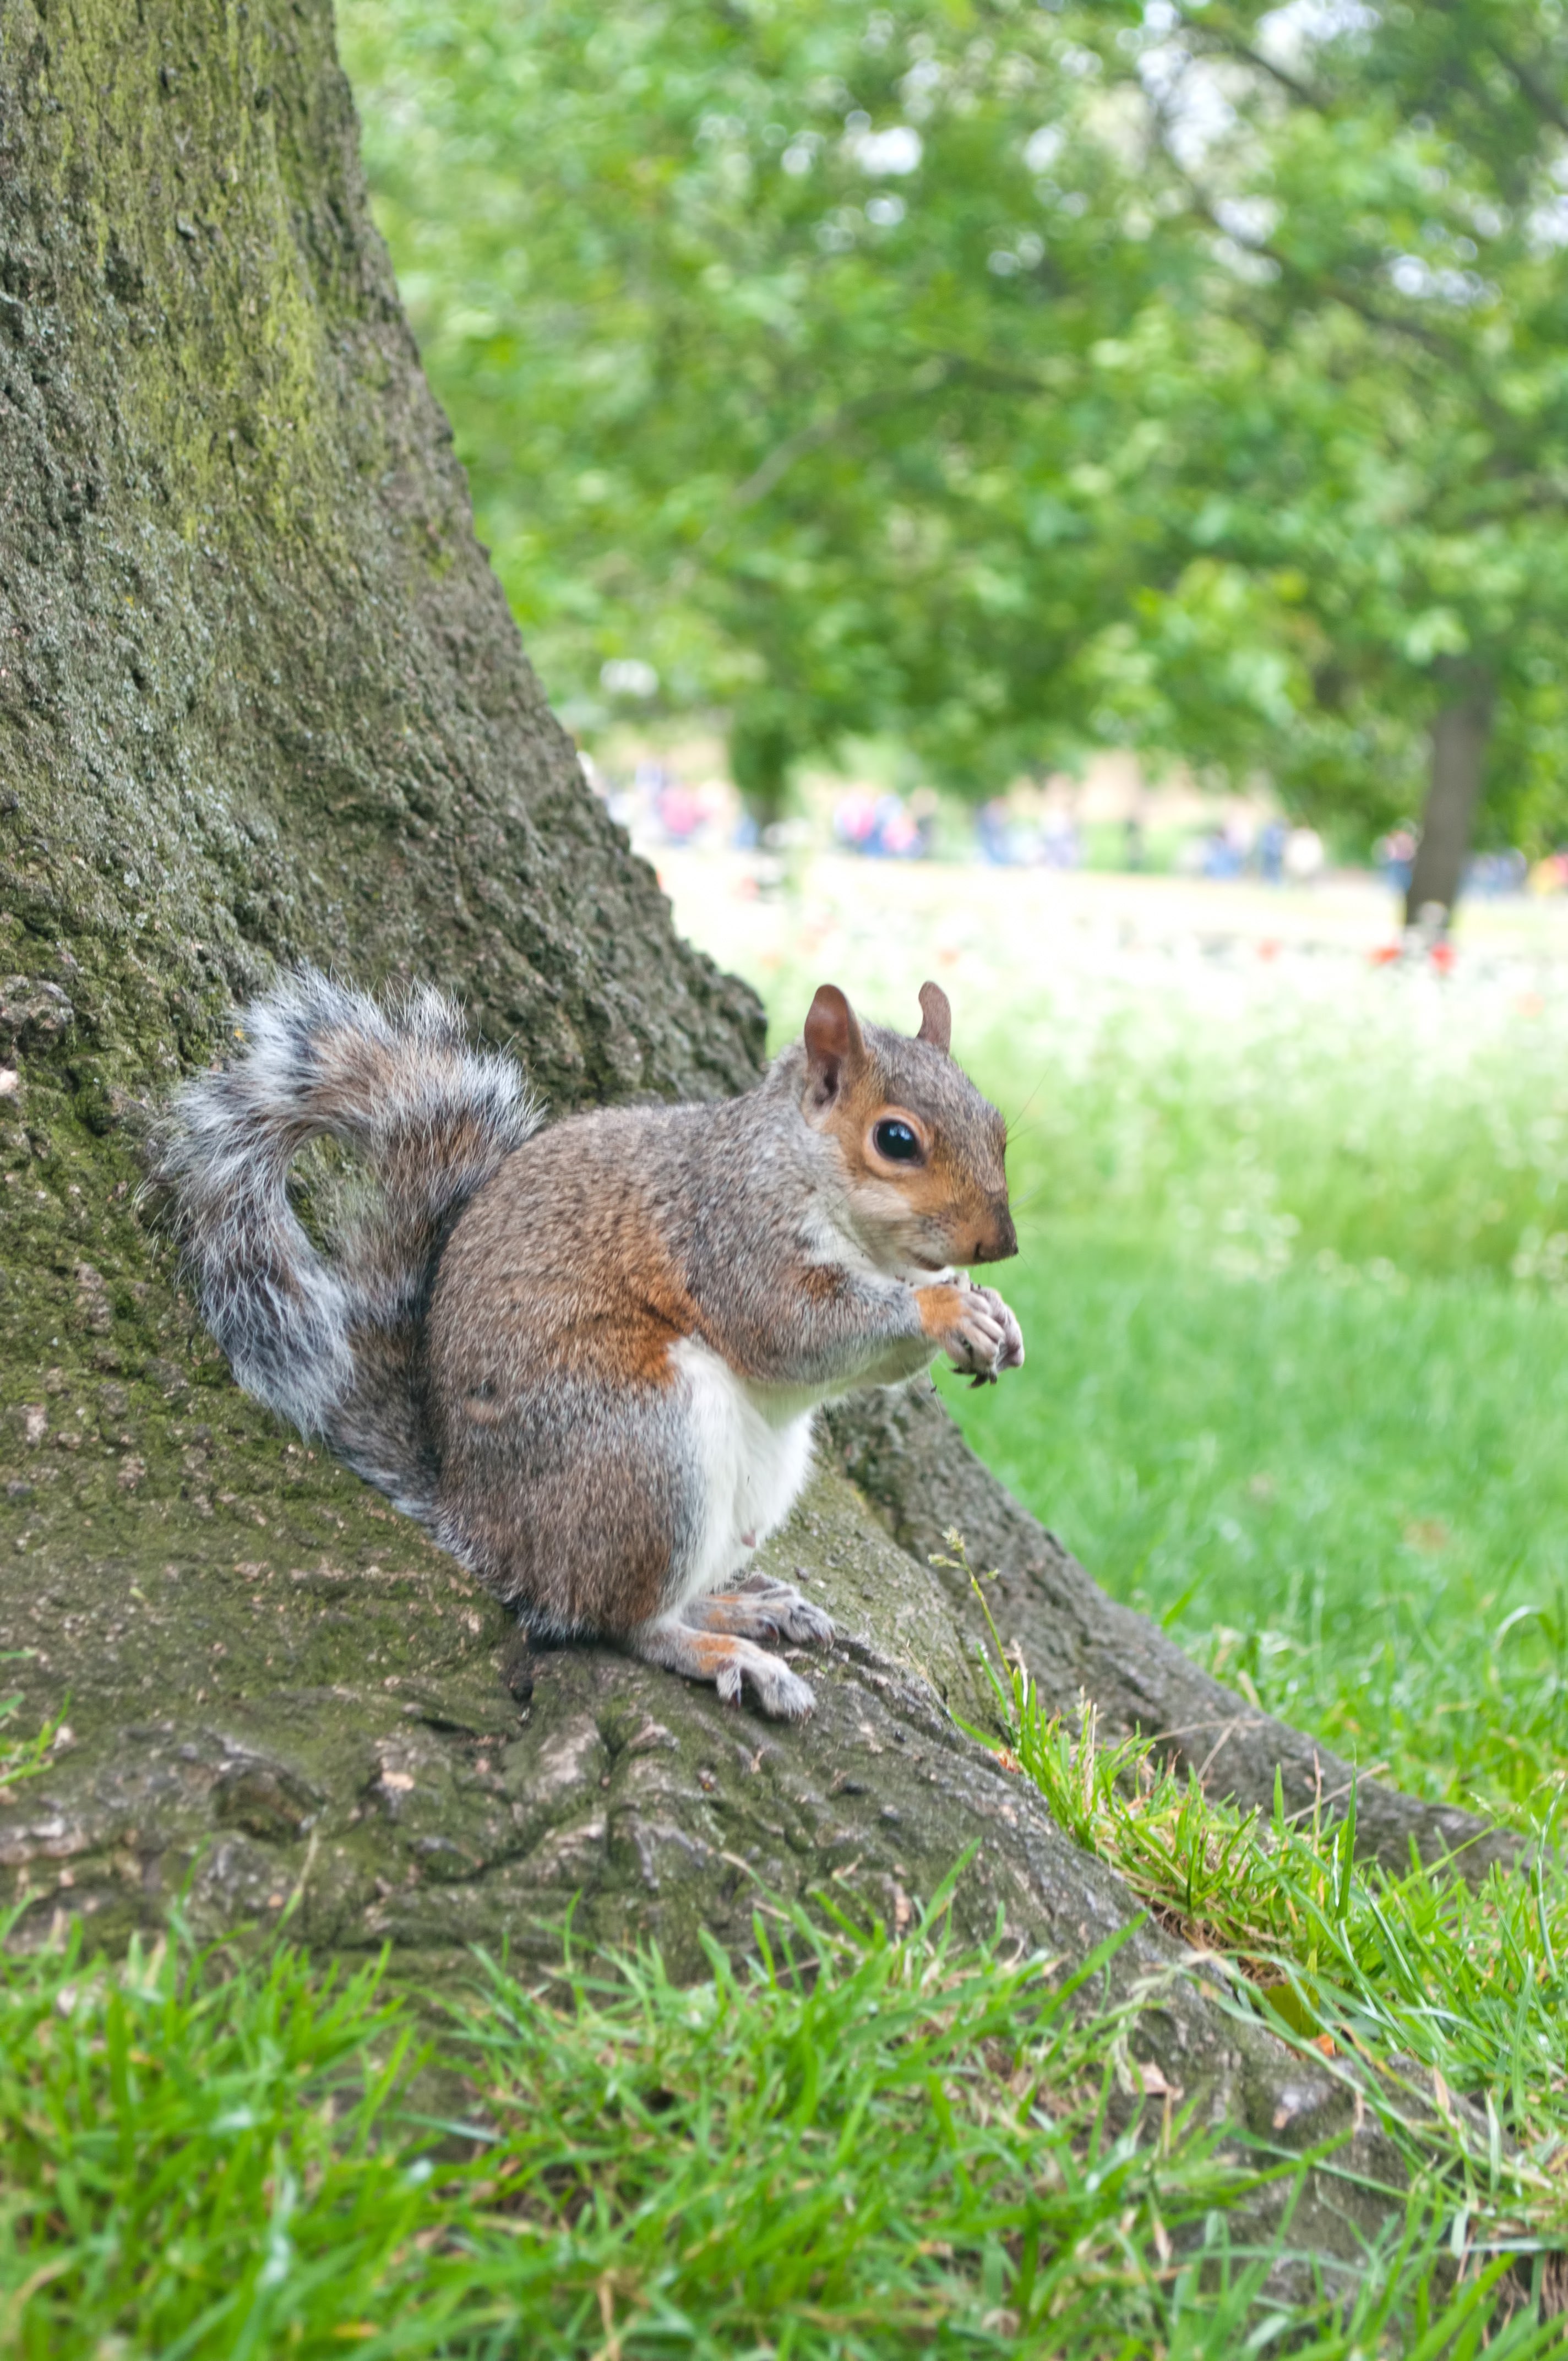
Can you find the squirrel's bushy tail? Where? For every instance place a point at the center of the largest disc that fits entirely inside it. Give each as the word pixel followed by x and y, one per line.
pixel 334 1344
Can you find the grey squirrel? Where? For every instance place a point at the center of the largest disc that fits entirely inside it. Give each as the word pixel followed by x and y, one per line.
pixel 587 1355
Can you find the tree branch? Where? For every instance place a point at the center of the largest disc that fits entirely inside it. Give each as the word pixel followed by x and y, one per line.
pixel 1325 287
pixel 1544 102
pixel 1214 38
pixel 770 471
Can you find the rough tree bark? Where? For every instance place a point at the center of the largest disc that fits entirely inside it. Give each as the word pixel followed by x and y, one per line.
pixel 1459 737
pixel 260 700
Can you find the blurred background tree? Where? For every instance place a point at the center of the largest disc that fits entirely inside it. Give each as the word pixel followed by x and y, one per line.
pixel 1015 380
pixel 1380 475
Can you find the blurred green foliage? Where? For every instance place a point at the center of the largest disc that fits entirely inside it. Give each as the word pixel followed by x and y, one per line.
pixel 1013 379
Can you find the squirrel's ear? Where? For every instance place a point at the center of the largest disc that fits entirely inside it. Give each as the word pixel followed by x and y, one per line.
pixel 936 1018
pixel 833 1043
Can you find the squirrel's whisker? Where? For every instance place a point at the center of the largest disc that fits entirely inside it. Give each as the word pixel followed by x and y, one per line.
pixel 1028 1103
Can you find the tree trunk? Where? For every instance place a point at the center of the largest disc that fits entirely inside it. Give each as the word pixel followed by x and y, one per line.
pixel 760 750
pixel 260 700
pixel 1459 737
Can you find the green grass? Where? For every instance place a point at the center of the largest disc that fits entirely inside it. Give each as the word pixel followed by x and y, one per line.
pixel 1294 1250
pixel 855 2147
pixel 1353 1122
pixel 1435 1988
pixel 1250 1113
pixel 1351 1500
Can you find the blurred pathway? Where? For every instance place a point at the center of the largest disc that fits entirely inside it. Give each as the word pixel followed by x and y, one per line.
pixel 887 924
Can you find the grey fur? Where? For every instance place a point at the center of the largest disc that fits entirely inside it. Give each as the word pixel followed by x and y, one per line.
pixel 432 1118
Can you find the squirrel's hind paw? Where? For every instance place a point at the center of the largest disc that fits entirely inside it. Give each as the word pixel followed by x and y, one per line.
pixel 782 1694
pixel 760 1609
pixel 726 1681
pixel 728 1663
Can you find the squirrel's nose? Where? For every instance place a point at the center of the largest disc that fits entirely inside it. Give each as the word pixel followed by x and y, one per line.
pixel 999 1238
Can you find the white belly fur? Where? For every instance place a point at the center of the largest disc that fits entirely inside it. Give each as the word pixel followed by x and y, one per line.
pixel 753 1446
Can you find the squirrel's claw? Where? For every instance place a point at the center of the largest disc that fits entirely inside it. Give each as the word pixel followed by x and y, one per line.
pixel 760 1609
pixel 986 1338
pixel 727 1661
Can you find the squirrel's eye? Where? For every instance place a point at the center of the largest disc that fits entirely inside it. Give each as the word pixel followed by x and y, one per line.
pixel 896 1142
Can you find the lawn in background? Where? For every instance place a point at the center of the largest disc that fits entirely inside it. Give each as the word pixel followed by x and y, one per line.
pixel 1293 1276
pixel 1348 1501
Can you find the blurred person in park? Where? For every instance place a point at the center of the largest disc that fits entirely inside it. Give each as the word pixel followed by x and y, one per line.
pixel 879 826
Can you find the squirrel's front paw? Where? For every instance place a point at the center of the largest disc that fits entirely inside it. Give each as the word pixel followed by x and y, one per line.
pixel 1011 1355
pixel 986 1338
